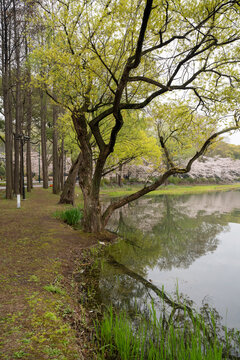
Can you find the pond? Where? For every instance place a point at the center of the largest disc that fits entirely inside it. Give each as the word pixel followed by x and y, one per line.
pixel 187 245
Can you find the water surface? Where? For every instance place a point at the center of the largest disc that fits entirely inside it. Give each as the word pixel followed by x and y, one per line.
pixel 191 242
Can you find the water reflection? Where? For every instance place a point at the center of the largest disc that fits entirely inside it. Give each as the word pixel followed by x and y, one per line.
pixel 170 239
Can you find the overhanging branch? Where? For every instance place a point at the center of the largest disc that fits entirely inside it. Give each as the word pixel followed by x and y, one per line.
pixel 173 170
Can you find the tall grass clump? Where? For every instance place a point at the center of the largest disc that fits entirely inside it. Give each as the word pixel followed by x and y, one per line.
pixel 72 216
pixel 152 338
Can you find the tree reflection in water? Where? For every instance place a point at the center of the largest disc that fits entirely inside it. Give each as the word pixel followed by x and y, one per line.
pixel 158 231
pixel 165 232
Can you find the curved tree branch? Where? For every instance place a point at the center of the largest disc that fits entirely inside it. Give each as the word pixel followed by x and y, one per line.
pixel 173 170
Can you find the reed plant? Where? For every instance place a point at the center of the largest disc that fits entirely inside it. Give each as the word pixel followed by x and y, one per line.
pixel 118 337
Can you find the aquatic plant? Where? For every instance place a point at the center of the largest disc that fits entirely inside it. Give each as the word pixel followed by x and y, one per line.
pixel 120 337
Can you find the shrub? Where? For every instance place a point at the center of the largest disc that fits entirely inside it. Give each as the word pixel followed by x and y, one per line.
pixel 174 180
pixel 105 182
pixel 70 216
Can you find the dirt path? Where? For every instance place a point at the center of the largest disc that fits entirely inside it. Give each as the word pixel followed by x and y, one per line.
pixel 35 250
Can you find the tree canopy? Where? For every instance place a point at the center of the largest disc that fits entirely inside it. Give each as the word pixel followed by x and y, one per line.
pixel 118 68
pixel 104 59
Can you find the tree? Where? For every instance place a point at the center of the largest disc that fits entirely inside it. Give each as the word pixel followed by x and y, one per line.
pixel 104 66
pixel 6 28
pixel 18 103
pixel 13 56
pixel 43 116
pixel 134 145
pixel 56 174
pixel 67 196
pixel 180 131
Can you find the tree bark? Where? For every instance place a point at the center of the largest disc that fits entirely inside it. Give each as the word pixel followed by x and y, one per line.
pixel 56 170
pixel 43 116
pixel 92 220
pixel 29 121
pixel 67 196
pixel 29 125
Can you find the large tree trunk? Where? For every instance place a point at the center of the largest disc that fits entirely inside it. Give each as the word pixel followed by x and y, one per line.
pixel 89 180
pixel 56 170
pixel 43 115
pixel 90 186
pixel 92 221
pixel 67 196
pixel 6 98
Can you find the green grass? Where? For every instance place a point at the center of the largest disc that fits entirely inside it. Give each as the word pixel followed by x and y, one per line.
pixel 170 190
pixel 158 339
pixel 54 289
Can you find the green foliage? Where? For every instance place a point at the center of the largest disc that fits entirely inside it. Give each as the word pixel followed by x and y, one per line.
pixel 225 150
pixel 2 170
pixel 181 131
pixel 70 216
pixel 152 339
pixel 105 182
pixel 87 55
pixel 135 142
pixel 174 180
pixel 187 180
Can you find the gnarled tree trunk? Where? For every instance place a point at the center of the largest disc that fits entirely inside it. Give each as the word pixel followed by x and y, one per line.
pixel 92 220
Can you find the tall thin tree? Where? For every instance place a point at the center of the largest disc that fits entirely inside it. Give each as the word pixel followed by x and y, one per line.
pixel 56 170
pixel 43 116
pixel 5 30
pixel 18 120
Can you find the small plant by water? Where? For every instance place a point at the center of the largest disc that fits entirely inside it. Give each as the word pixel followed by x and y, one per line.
pixel 119 337
pixel 71 216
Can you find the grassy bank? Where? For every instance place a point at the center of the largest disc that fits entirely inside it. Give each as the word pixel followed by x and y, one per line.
pixel 169 189
pixel 40 317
